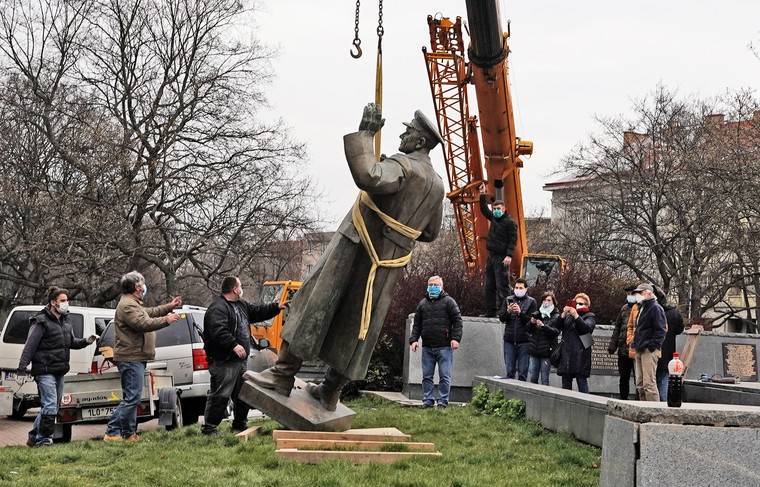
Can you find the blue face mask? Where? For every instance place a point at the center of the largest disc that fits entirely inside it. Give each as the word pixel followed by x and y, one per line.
pixel 434 290
pixel 498 213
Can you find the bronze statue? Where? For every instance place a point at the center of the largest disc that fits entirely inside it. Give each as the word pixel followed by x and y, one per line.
pixel 337 314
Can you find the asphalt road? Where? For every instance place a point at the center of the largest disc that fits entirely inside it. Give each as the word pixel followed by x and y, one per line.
pixel 14 431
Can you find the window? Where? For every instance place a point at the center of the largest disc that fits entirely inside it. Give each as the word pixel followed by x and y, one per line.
pixel 178 333
pixel 100 325
pixel 18 326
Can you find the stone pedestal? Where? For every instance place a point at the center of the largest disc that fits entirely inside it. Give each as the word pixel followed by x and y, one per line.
pixel 299 411
pixel 650 444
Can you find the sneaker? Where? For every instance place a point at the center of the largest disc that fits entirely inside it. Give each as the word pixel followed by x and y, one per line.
pixel 132 438
pixel 46 442
pixel 427 405
pixel 442 405
pixel 30 441
pixel 112 438
pixel 210 432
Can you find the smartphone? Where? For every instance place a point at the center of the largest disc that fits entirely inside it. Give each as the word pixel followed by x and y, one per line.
pixel 571 303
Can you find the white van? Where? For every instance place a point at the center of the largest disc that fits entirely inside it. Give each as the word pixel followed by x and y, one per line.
pixel 85 322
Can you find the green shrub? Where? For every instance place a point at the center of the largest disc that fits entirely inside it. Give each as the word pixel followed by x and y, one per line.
pixel 496 404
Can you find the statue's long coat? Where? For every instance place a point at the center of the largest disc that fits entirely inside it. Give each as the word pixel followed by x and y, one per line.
pixel 325 314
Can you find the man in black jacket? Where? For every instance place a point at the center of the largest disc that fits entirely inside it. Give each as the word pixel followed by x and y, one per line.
pixel 227 337
pixel 47 347
pixel 618 344
pixel 647 341
pixel 515 313
pixel 438 321
pixel 501 240
pixel 675 327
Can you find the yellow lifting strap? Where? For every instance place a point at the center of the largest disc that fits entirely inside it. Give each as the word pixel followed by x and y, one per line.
pixel 378 93
pixel 361 228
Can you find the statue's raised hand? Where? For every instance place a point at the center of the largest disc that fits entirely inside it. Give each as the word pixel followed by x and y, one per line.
pixel 372 118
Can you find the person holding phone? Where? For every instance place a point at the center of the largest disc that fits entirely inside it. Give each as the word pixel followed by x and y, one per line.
pixel 515 313
pixel 542 334
pixel 577 324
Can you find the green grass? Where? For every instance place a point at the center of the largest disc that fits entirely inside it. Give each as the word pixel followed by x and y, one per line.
pixel 478 450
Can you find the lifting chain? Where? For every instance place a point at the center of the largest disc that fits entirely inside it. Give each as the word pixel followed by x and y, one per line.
pixel 380 28
pixel 356 51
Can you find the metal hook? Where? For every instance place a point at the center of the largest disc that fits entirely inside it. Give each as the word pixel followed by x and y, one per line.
pixel 358 53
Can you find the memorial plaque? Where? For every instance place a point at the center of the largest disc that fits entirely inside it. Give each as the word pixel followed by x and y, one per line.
pixel 740 360
pixel 602 363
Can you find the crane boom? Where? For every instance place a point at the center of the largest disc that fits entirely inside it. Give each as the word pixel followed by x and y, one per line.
pixel 449 74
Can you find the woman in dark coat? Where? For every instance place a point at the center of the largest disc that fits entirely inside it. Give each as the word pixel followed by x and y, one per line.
pixel 576 324
pixel 542 336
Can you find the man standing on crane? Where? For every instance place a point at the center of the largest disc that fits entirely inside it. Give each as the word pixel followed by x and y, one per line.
pixel 501 240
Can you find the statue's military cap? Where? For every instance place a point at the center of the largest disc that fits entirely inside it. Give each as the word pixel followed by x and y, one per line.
pixel 425 127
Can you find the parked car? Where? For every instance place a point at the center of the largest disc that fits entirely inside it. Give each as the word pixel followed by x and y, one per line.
pixel 85 322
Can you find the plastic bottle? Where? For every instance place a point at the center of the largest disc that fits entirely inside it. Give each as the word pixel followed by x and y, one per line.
pixel 675 381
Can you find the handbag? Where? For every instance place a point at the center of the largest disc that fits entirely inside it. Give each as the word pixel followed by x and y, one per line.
pixel 556 355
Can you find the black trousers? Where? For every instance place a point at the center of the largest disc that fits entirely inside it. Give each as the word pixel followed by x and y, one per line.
pixel 226 379
pixel 625 368
pixel 496 285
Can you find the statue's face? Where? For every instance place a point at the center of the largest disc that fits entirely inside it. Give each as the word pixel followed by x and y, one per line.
pixel 411 140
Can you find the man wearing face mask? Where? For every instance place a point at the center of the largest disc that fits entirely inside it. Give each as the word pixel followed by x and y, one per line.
pixel 438 321
pixel 648 336
pixel 135 345
pixel 515 313
pixel 227 341
pixel 500 242
pixel 48 342
pixel 618 343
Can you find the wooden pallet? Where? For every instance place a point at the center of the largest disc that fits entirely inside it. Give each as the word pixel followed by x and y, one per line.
pixel 372 445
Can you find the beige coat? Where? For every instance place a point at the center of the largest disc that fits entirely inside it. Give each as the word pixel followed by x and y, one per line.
pixel 135 329
pixel 325 314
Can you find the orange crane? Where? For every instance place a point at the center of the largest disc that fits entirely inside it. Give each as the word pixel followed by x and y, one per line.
pixel 450 73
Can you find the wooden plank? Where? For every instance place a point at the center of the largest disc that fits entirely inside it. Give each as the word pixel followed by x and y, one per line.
pixel 687 355
pixel 252 431
pixel 287 443
pixel 317 456
pixel 371 434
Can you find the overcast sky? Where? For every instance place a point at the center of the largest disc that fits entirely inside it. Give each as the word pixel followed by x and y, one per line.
pixel 570 61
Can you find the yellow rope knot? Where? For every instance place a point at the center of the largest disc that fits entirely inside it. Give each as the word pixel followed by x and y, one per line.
pixel 361 228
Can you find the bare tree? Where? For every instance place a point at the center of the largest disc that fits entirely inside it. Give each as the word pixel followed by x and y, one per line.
pixel 655 192
pixel 177 167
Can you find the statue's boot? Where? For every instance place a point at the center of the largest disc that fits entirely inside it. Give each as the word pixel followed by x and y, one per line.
pixel 328 392
pixel 281 376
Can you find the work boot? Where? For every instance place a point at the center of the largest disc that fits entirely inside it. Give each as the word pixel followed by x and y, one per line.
pixel 281 376
pixel 328 392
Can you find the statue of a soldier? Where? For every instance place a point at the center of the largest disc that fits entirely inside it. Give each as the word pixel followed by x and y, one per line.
pixel 337 314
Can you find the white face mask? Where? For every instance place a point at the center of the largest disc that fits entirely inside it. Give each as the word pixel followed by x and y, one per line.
pixel 63 308
pixel 630 298
pixel 520 293
pixel 639 298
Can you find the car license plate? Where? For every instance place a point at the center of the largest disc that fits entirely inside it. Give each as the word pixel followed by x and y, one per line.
pixel 103 412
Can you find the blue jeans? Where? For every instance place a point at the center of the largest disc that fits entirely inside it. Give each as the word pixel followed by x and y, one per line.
pixel 567 383
pixel 50 390
pixel 444 357
pixel 662 385
pixel 539 365
pixel 516 359
pixel 124 418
